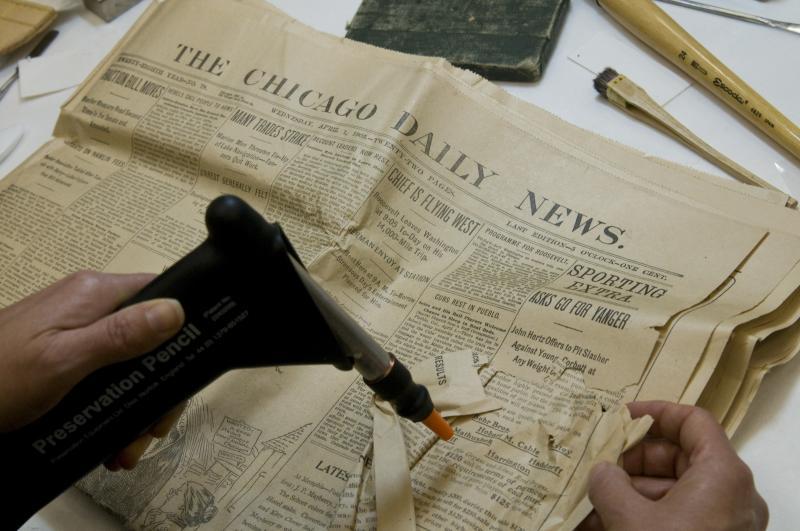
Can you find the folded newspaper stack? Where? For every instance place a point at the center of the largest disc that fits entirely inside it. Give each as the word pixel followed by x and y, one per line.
pixel 446 216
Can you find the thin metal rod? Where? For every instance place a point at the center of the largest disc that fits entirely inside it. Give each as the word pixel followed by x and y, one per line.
pixel 368 356
pixel 10 81
pixel 738 15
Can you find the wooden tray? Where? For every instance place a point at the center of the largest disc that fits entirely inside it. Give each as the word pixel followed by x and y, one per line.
pixel 21 21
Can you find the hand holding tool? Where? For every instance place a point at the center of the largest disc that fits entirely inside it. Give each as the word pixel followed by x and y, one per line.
pixel 248 302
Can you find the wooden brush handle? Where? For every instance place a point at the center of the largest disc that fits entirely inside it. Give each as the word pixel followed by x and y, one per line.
pixel 653 26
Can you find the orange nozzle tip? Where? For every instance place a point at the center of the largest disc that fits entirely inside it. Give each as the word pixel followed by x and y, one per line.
pixel 438 425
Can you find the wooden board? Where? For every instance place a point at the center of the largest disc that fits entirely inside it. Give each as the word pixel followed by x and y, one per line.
pixel 21 21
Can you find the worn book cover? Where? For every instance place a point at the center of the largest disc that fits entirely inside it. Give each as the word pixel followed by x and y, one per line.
pixel 504 40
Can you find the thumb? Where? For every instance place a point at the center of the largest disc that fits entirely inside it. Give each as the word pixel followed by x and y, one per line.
pixel 125 334
pixel 614 498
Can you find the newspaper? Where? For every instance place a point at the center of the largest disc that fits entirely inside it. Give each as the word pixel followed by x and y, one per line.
pixel 445 216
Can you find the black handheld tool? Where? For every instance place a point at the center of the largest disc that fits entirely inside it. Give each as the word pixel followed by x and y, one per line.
pixel 249 302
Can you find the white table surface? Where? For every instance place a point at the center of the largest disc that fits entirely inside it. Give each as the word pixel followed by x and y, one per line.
pixel 768 59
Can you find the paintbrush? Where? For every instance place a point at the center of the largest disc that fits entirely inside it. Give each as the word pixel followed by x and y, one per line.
pixel 653 26
pixel 634 100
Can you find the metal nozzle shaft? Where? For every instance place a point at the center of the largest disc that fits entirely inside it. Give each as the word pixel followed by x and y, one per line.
pixel 370 359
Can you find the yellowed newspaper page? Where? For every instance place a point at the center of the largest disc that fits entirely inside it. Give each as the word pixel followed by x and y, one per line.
pixel 498 467
pixel 776 349
pixel 770 270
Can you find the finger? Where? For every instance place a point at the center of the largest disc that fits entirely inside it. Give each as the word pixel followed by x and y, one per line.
pixel 761 512
pixel 652 457
pixel 133 452
pixel 652 488
pixel 164 425
pixel 112 465
pixel 613 496
pixel 122 335
pixel 84 297
pixel 130 455
pixel 692 428
pixel 119 288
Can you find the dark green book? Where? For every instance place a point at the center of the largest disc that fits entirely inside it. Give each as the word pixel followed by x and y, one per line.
pixel 504 40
